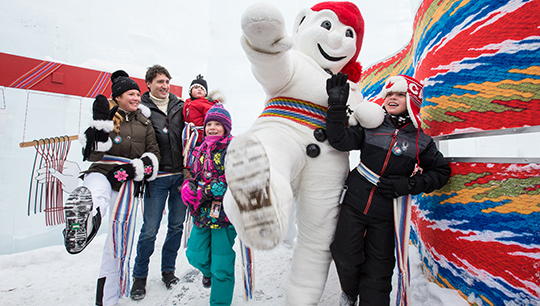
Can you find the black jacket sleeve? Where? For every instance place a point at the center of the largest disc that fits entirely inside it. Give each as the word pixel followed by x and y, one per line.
pixel 436 170
pixel 341 137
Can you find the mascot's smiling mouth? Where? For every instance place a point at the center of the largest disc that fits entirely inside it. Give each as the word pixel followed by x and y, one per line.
pixel 328 57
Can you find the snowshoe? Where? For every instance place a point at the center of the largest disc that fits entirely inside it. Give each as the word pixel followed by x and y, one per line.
pixel 138 290
pixel 77 209
pixel 248 178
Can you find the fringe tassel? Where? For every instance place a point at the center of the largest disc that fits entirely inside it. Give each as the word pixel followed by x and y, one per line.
pixel 190 133
pixel 402 228
pixel 188 225
pixel 123 233
pixel 247 271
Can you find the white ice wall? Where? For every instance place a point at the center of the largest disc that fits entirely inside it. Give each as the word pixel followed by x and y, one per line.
pixel 187 37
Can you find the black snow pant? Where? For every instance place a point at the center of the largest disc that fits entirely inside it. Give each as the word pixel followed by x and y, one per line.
pixel 363 251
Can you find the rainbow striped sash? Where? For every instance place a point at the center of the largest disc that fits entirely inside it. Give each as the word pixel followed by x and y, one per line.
pixel 110 159
pixel 190 134
pixel 122 226
pixel 302 112
pixel 123 233
pixel 371 176
pixel 402 228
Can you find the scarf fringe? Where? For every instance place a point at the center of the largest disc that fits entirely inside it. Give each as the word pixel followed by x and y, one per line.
pixel 247 271
pixel 123 233
pixel 190 134
pixel 402 228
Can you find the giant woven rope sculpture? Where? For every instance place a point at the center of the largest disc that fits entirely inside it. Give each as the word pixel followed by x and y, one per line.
pixel 480 64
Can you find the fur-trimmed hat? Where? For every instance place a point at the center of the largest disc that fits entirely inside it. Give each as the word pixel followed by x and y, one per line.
pixel 349 14
pixel 218 113
pixel 122 83
pixel 414 94
pixel 199 80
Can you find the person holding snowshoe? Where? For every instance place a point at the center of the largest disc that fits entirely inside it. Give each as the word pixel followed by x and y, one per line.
pixel 168 122
pixel 121 144
pixel 396 160
pixel 210 244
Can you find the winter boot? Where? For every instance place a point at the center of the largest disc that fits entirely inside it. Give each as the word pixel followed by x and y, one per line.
pixel 80 229
pixel 347 300
pixel 169 279
pixel 206 282
pixel 247 168
pixel 138 290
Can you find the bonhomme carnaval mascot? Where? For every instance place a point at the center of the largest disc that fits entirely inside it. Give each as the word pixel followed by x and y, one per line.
pixel 284 156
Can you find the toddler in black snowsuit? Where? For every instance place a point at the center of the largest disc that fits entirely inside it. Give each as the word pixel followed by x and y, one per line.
pixel 403 159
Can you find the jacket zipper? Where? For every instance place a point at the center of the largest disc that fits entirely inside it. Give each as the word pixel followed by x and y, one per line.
pixel 394 137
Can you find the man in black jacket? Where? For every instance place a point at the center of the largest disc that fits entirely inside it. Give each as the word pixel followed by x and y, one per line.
pixel 168 121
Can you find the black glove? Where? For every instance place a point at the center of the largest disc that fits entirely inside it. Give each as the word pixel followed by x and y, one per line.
pixel 148 166
pixel 121 173
pixel 100 109
pixel 337 113
pixel 395 186
pixel 337 89
pixel 101 112
pixel 147 170
pixel 97 132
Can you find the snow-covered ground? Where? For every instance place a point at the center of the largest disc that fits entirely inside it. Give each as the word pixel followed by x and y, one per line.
pixel 51 276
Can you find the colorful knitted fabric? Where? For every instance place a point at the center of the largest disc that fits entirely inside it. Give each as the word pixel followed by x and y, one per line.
pixel 480 233
pixel 302 112
pixel 479 62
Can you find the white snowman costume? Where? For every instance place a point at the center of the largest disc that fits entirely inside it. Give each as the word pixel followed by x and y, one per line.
pixel 284 156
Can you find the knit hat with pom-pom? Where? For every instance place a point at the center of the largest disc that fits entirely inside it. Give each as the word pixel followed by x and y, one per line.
pixel 122 83
pixel 199 81
pixel 220 114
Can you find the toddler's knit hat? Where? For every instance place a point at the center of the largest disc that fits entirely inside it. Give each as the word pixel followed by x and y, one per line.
pixel 220 114
pixel 201 82
pixel 122 83
pixel 414 93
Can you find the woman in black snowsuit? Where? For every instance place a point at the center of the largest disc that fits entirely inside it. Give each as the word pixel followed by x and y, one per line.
pixel 363 247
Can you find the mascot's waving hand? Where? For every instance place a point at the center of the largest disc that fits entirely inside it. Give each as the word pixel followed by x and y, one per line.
pixel 284 156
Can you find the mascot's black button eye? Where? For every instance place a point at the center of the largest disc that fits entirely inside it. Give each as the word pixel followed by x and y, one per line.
pixel 320 134
pixel 313 150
